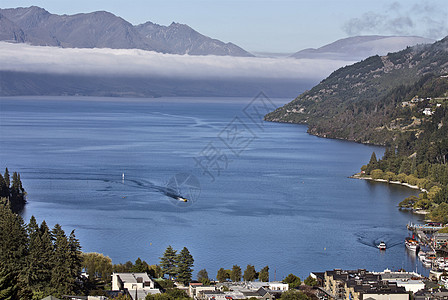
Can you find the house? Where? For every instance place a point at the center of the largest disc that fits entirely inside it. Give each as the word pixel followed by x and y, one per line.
pixel 196 287
pixel 136 285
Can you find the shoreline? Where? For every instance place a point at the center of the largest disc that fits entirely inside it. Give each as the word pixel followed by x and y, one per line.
pixel 414 187
pixel 359 176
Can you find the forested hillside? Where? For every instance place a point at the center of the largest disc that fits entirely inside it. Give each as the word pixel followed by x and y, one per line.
pixel 399 101
pixel 358 102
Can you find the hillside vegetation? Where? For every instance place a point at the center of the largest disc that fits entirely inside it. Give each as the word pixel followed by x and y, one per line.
pixel 358 102
pixel 399 101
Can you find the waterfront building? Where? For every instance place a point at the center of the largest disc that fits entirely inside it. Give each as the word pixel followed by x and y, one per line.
pixel 361 285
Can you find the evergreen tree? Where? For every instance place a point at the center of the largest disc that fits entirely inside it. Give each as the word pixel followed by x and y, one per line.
pixel 140 266
pixel 13 240
pixel 249 274
pixel 235 274
pixel 264 274
pixel 17 193
pixel 373 159
pixel 39 259
pixel 4 190
pixel 22 190
pixel 13 254
pixel 60 262
pixel 7 179
pixel 185 263
pixel 74 262
pixel 9 288
pixel 34 252
pixel 169 262
pixel 373 163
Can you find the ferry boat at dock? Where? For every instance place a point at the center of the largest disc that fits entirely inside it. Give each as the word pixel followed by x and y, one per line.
pixel 382 246
pixel 412 244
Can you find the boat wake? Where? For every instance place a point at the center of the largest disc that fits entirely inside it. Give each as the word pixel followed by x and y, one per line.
pixel 373 240
pixel 112 182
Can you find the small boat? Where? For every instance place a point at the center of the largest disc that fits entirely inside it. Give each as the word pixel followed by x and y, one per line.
pixel 382 246
pixel 421 255
pixel 182 199
pixel 412 244
pixel 429 261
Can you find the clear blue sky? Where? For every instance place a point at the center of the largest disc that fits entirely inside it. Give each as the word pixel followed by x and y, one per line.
pixel 272 25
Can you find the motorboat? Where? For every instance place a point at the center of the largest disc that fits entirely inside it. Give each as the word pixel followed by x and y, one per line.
pixel 182 199
pixel 411 244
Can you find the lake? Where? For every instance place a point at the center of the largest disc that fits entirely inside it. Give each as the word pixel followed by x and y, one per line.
pixel 258 193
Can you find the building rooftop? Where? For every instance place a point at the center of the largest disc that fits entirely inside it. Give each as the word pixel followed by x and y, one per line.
pixel 133 277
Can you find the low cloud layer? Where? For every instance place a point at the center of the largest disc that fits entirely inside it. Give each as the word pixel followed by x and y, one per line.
pixel 133 62
pixel 423 18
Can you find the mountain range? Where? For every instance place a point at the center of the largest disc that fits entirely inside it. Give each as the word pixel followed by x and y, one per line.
pixel 101 29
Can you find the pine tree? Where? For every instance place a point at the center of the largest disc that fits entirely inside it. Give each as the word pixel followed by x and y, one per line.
pixel 7 179
pixel 60 262
pixel 372 165
pixel 235 275
pixel 17 192
pixel 185 263
pixel 13 240
pixel 9 288
pixel 22 190
pixel 4 190
pixel 34 252
pixel 46 256
pixel 169 262
pixel 264 274
pixel 74 262
pixel 13 253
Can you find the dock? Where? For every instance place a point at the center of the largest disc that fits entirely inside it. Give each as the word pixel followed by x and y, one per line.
pixel 422 232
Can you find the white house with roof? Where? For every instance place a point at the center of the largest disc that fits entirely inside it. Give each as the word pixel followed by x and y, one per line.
pixel 137 285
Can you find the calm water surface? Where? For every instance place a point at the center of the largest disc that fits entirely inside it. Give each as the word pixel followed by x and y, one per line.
pixel 280 198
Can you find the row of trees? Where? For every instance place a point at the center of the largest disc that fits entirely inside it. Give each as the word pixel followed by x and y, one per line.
pixel 250 274
pixel 36 261
pixel 12 191
pixel 235 274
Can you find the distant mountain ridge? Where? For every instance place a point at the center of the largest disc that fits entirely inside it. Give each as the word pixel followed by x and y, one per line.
pixel 360 47
pixel 101 29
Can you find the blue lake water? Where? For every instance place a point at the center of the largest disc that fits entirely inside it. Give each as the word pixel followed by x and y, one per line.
pixel 259 193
